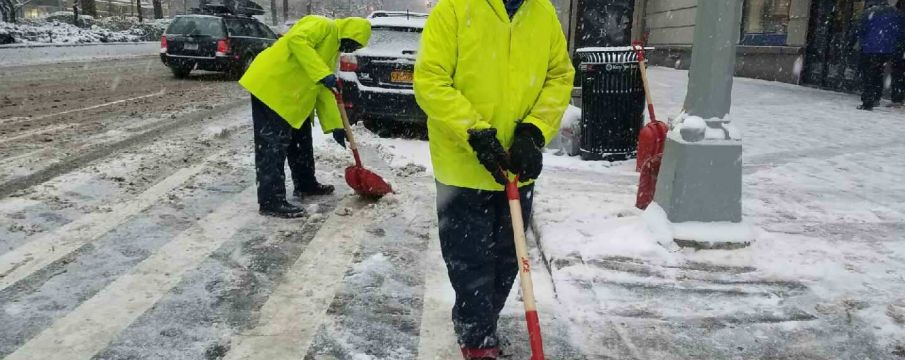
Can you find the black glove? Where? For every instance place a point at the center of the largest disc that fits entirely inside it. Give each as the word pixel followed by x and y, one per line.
pixel 526 153
pixel 329 81
pixel 340 136
pixel 348 46
pixel 490 153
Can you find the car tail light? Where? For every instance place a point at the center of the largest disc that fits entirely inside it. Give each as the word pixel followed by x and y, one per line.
pixel 222 47
pixel 348 62
pixel 163 44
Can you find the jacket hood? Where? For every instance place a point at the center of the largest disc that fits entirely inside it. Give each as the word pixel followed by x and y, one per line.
pixel 354 28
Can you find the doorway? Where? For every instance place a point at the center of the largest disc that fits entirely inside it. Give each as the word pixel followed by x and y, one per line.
pixel 831 60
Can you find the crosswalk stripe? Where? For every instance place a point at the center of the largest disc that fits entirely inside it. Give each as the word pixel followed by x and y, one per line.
pixel 90 327
pixel 291 316
pixel 437 340
pixel 23 261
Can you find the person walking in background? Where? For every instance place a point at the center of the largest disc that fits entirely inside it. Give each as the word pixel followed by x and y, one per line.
pixel 881 30
pixel 898 63
pixel 287 82
pixel 491 75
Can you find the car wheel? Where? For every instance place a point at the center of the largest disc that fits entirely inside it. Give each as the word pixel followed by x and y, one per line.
pixel 240 69
pixel 180 72
pixel 380 128
pixel 370 124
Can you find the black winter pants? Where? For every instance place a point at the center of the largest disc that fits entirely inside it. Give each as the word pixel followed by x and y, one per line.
pixel 872 66
pixel 477 244
pixel 898 78
pixel 275 142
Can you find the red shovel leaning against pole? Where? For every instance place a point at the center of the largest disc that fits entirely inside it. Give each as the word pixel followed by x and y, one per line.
pixel 651 141
pixel 365 182
pixel 524 265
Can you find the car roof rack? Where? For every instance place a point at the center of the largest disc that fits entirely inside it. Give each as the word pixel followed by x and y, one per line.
pixel 245 8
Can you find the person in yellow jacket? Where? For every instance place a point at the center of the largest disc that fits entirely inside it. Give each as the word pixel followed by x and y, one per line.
pixel 287 82
pixel 494 77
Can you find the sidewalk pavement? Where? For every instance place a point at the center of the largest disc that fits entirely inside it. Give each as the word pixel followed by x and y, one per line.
pixel 824 280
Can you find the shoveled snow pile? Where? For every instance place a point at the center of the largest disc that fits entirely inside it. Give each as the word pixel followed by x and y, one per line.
pixel 97 31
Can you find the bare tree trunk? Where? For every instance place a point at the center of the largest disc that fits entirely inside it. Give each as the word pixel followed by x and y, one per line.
pixel 138 4
pixel 273 12
pixel 285 10
pixel 158 9
pixel 89 7
pixel 7 11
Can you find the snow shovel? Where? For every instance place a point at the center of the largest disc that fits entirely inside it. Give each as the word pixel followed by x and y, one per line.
pixel 651 142
pixel 655 131
pixel 365 182
pixel 524 264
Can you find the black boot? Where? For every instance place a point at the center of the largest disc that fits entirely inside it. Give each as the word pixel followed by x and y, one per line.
pixel 316 189
pixel 283 210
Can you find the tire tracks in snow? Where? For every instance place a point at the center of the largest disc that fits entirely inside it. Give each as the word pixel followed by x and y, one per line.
pixel 86 330
pixel 38 253
pixel 98 151
pixel 292 313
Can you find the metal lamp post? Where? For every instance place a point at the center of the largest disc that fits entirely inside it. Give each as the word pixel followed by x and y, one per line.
pixel 701 175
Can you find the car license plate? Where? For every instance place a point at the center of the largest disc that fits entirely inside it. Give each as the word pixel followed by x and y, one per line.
pixel 191 46
pixel 401 76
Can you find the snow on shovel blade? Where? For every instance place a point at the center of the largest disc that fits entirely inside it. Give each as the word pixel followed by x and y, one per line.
pixel 366 183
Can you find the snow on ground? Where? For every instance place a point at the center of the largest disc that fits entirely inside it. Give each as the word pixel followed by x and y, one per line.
pixel 57 28
pixel 823 187
pixel 823 279
pixel 51 54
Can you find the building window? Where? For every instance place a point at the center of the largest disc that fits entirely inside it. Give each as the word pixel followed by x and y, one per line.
pixel 765 22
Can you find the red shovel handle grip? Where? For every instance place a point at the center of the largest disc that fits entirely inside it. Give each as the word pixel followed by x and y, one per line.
pixel 638 48
pixel 512 190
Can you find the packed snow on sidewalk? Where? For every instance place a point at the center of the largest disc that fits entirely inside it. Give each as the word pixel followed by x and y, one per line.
pixel 824 278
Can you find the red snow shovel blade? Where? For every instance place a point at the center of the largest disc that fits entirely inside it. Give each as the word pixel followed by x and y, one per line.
pixel 366 183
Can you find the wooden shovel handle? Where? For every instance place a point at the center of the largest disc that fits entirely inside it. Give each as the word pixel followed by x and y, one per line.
pixel 524 265
pixel 347 126
pixel 345 117
pixel 639 50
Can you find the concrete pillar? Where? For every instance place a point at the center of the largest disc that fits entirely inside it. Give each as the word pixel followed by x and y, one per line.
pixel 701 174
pixel 716 35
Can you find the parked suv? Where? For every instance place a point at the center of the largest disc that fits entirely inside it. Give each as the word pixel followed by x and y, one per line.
pixel 218 40
pixel 377 80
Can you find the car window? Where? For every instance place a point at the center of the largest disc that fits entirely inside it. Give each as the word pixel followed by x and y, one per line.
pixel 242 28
pixel 395 40
pixel 265 31
pixel 196 25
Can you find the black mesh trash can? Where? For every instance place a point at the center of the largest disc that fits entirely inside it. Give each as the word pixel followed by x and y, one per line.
pixel 612 103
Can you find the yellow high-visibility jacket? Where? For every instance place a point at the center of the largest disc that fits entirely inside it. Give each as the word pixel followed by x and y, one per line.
pixel 286 75
pixel 478 69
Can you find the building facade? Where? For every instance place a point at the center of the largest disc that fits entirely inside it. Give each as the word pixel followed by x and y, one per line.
pixel 772 47
pixel 809 42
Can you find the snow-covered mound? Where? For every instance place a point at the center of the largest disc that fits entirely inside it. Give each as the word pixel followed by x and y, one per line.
pixel 53 30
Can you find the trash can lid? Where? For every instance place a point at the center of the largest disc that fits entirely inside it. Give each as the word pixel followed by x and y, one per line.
pixel 607 55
